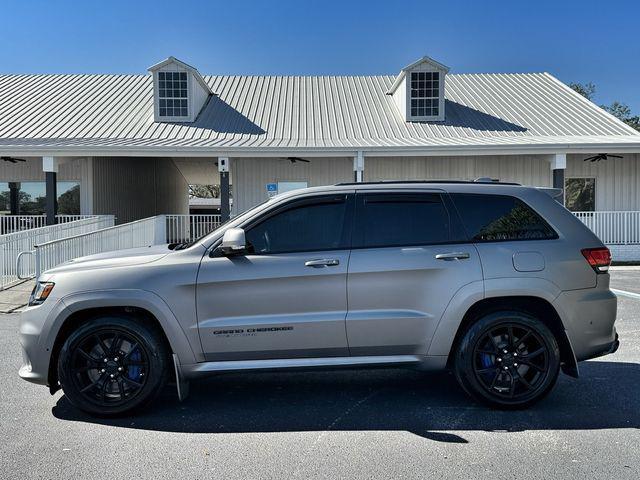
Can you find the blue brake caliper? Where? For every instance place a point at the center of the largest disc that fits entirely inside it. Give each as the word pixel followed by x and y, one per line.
pixel 486 360
pixel 133 372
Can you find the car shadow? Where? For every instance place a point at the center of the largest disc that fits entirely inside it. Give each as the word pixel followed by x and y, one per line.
pixel 430 405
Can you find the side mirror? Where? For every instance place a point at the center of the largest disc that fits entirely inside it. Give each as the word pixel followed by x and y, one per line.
pixel 233 241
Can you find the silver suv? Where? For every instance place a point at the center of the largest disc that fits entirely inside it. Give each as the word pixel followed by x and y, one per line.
pixel 497 282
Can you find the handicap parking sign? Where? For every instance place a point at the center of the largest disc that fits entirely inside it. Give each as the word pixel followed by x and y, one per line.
pixel 272 189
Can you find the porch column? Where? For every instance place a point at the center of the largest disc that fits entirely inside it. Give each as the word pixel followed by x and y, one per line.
pixel 50 168
pixel 14 197
pixel 225 198
pixel 358 167
pixel 558 166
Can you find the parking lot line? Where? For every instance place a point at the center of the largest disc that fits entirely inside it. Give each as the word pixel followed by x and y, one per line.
pixel 624 293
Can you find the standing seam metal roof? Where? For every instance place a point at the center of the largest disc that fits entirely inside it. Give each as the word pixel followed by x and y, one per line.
pixel 300 112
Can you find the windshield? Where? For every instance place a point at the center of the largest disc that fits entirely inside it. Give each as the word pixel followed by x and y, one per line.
pixel 229 223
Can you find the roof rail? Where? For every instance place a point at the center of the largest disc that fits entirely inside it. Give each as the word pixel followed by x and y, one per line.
pixel 482 180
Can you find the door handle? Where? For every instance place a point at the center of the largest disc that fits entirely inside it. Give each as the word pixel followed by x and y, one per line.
pixel 322 262
pixel 452 256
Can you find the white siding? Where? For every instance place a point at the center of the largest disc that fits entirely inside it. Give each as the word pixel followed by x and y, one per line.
pixel 250 176
pixel 617 180
pixel 134 188
pixel 525 169
pixel 72 170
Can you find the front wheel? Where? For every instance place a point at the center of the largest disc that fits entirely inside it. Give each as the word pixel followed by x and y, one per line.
pixel 112 365
pixel 507 360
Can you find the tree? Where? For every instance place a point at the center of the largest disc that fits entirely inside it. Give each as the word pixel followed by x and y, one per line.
pixel 69 201
pixel 32 206
pixel 587 90
pixel 207 191
pixel 204 191
pixel 618 109
pixel 623 112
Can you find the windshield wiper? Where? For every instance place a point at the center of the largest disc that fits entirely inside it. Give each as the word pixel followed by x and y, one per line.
pixel 180 245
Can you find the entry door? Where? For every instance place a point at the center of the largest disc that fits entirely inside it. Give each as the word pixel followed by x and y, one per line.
pixel 286 297
pixel 405 267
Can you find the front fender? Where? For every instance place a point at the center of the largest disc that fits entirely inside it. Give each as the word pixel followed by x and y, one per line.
pixel 180 340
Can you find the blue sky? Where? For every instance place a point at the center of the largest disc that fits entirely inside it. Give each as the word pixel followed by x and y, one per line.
pixel 576 41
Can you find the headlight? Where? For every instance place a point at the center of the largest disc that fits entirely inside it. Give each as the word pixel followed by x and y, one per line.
pixel 40 292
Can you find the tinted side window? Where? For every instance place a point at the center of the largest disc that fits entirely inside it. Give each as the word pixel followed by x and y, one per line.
pixel 499 217
pixel 320 224
pixel 387 220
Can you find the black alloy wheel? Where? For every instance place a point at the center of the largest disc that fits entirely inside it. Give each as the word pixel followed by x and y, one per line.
pixel 109 366
pixel 508 360
pixel 112 365
pixel 511 360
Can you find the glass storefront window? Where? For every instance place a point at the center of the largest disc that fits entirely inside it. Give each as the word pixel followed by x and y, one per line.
pixel 32 198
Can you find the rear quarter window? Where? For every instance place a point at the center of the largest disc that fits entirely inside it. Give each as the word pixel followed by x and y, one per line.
pixel 493 218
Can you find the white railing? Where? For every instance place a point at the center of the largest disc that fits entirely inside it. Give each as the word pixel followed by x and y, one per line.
pixel 39 256
pixel 17 223
pixel 613 228
pixel 186 228
pixel 140 233
pixel 11 245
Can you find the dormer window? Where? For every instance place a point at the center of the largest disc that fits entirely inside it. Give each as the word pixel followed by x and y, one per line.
pixel 418 91
pixel 179 91
pixel 425 94
pixel 173 94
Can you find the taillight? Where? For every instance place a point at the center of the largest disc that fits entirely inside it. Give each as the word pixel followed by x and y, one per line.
pixel 598 258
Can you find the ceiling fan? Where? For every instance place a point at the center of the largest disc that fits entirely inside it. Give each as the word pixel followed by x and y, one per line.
pixel 12 159
pixel 601 156
pixel 297 159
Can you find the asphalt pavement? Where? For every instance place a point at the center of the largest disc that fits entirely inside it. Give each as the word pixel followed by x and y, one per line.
pixel 342 424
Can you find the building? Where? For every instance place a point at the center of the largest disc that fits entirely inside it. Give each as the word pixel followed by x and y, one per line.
pixel 130 145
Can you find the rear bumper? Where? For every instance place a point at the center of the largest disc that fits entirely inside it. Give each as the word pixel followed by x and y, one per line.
pixel 607 349
pixel 589 316
pixel 614 346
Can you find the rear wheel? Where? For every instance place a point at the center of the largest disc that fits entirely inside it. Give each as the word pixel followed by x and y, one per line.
pixel 507 360
pixel 112 365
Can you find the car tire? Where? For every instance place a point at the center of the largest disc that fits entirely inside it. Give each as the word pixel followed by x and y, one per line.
pixel 507 360
pixel 113 365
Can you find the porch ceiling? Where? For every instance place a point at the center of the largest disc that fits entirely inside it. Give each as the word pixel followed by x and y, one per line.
pixel 198 171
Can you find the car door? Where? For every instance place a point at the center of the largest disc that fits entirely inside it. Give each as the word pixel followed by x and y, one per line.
pixel 409 258
pixel 285 296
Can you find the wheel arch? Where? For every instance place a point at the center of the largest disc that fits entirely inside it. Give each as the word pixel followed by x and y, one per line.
pixel 539 307
pixel 145 306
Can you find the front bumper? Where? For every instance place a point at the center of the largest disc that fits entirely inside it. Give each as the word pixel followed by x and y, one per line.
pixel 36 339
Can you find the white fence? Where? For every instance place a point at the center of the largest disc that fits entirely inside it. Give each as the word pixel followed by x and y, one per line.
pixel 141 233
pixel 613 228
pixel 46 253
pixel 11 245
pixel 186 228
pixel 17 223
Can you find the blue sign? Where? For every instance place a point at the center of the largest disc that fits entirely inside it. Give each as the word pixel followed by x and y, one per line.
pixel 272 187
